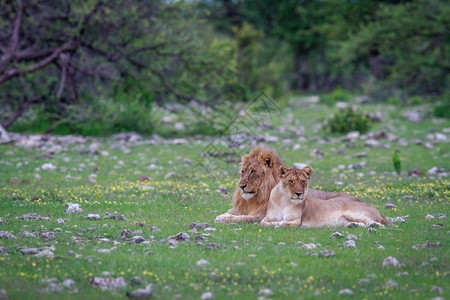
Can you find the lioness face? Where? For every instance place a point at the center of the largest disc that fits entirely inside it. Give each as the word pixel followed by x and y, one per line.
pixel 252 176
pixel 295 182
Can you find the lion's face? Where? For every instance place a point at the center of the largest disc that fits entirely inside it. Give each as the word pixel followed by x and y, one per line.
pixel 253 174
pixel 295 182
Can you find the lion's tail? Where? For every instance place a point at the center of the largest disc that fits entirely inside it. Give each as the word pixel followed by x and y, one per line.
pixel 386 221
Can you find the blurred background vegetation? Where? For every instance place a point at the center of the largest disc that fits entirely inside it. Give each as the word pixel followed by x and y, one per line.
pixel 95 67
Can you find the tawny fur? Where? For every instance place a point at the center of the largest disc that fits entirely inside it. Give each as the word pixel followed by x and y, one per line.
pixel 266 162
pixel 292 204
pixel 259 171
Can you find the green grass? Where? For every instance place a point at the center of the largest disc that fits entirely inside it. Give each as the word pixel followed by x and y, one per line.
pixel 191 196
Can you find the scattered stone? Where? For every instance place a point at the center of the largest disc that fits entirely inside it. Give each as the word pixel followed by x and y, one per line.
pixel 198 226
pixel 60 221
pixel 400 274
pixel 93 217
pixel 136 281
pixel 380 247
pixel 172 244
pixel 149 253
pixel 316 153
pixel 401 219
pixel 31 216
pixel 390 205
pixel 154 228
pixel 117 217
pixel 415 248
pixel 371 229
pixel 364 282
pixel 107 283
pixel 428 244
pixel 436 226
pixel 202 262
pixel 346 292
pixel 72 208
pixel 222 190
pixel 6 235
pixel 212 246
pixel 309 246
pixel 48 236
pixel 391 283
pixel 415 172
pixel 436 171
pixel 437 289
pixel 351 237
pixel 207 295
pixel 360 155
pixel 299 166
pixel 125 234
pixel 375 117
pixel 265 292
pixel 68 283
pixel 104 251
pixel 182 237
pixel 3 251
pixel 429 217
pixel 390 261
pixel 48 167
pixel 170 175
pixel 327 253
pixel 45 253
pixel 29 251
pixel 360 165
pixel 141 293
pixel 336 235
pixel 349 244
pixel 91 179
pixel 137 239
pixel 413 116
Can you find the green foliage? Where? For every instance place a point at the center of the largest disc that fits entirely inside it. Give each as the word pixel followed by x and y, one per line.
pixel 442 109
pixel 416 100
pixel 338 94
pixel 393 101
pixel 346 120
pixel 397 162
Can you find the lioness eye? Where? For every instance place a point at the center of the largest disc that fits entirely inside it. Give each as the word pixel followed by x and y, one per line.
pixel 252 171
pixel 291 181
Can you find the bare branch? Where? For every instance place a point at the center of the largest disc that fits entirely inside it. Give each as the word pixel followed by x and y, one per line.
pixel 16 72
pixel 20 110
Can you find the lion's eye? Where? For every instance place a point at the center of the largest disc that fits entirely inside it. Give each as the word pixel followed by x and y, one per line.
pixel 291 181
pixel 252 172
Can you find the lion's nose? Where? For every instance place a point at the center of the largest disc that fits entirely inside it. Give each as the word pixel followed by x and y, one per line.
pixel 243 186
pixel 298 194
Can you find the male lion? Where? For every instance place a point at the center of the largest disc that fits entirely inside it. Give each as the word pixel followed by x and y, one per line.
pixel 291 204
pixel 259 174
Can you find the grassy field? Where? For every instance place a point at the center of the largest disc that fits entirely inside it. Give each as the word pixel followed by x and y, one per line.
pixel 244 261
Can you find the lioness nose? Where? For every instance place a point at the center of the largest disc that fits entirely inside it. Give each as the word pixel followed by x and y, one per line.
pixel 243 186
pixel 298 194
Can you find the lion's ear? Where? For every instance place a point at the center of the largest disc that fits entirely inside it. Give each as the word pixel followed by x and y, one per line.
pixel 283 170
pixel 267 159
pixel 308 171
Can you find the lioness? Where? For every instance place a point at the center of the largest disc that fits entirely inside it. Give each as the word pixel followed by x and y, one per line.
pixel 291 204
pixel 259 174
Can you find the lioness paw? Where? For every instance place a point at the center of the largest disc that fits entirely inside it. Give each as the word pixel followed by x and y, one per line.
pixel 355 224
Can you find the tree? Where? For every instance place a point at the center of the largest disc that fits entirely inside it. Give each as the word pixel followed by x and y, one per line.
pixel 58 52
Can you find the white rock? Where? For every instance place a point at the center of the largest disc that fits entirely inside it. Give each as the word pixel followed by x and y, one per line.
pixel 207 295
pixel 93 217
pixel 48 167
pixel 390 261
pixel 73 208
pixel 347 292
pixel 265 292
pixel 429 217
pixel 350 244
pixel 202 262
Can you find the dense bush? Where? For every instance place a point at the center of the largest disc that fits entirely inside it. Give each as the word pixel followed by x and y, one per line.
pixel 346 120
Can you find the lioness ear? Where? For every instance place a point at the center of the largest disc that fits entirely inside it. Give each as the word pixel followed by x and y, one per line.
pixel 283 170
pixel 266 159
pixel 308 170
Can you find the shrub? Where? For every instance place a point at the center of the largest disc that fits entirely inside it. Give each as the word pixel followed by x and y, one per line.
pixel 397 162
pixel 346 120
pixel 338 94
pixel 442 109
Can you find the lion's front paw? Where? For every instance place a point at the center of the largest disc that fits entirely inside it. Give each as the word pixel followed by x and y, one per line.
pixel 224 218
